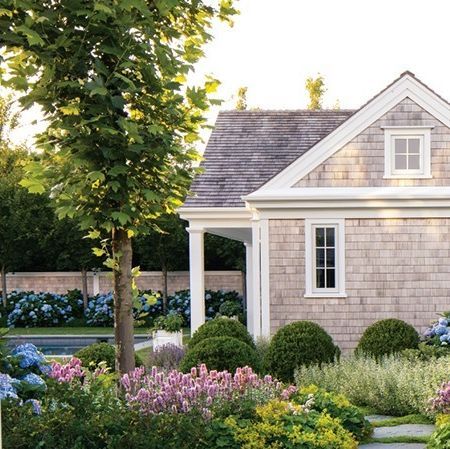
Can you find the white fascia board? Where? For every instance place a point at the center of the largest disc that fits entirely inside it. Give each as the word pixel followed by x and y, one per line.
pixel 189 213
pixel 321 198
pixel 349 193
pixel 406 86
pixel 217 217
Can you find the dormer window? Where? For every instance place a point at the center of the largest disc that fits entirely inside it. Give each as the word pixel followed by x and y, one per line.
pixel 407 152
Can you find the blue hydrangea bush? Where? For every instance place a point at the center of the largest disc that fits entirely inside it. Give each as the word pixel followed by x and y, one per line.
pixel 438 334
pixel 100 310
pixel 180 302
pixel 23 380
pixel 31 309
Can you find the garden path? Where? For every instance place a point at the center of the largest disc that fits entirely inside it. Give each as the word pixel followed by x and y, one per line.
pixel 386 436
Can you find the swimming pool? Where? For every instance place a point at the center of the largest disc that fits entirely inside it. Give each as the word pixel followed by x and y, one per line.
pixel 66 345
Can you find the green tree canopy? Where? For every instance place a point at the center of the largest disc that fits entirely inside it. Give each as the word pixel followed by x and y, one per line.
pixel 111 79
pixel 241 103
pixel 316 89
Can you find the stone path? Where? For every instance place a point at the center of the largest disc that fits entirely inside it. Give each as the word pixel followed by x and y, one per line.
pixel 402 430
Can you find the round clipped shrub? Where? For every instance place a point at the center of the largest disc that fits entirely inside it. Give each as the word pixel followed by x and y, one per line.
pixel 220 353
pixel 387 337
pixel 222 327
pixel 96 353
pixel 297 344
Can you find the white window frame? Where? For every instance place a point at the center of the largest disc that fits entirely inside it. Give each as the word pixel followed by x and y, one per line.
pixel 423 133
pixel 310 260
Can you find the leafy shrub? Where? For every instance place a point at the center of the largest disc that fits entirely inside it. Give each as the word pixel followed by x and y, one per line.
pixel 221 327
pixel 281 424
pixel 338 406
pixel 230 309
pixel 392 385
pixel 220 353
pixel 166 357
pixel 387 337
pixel 41 309
pixel 440 439
pixel 172 322
pixel 297 344
pixel 438 334
pixel 91 356
pixel 425 352
pixel 180 302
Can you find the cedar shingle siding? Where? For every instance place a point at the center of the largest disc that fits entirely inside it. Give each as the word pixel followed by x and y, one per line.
pixel 360 163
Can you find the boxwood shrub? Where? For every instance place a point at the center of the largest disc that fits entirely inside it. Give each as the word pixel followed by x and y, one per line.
pixel 296 344
pixel 220 353
pixel 222 327
pixel 387 337
pixel 96 353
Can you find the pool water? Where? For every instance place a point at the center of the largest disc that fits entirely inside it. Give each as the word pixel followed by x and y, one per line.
pixel 59 350
pixel 62 345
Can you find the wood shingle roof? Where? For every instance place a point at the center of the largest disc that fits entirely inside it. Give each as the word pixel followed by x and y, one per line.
pixel 247 148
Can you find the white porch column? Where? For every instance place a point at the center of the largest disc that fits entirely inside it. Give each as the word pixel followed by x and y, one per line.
pixel 265 278
pixel 197 277
pixel 256 279
pixel 249 286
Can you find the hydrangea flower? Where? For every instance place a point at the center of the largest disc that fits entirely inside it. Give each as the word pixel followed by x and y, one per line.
pixel 439 332
pixel 29 356
pixel 7 387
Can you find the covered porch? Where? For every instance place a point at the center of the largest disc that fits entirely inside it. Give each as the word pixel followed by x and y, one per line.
pixel 243 225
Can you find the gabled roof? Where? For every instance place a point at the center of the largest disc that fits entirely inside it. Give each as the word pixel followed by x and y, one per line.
pixel 253 153
pixel 247 148
pixel 406 86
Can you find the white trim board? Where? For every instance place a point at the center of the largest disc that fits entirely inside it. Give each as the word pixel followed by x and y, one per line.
pixel 406 87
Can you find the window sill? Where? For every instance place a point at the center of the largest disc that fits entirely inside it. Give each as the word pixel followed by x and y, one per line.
pixel 325 295
pixel 407 176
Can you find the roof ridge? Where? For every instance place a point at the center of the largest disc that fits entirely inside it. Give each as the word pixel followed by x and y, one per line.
pixel 309 111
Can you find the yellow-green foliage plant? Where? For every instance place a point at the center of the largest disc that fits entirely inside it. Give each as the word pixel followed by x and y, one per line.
pixel 284 425
pixel 441 437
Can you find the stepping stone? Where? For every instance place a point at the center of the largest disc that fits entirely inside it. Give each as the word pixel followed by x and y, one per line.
pixel 374 418
pixel 404 430
pixel 393 446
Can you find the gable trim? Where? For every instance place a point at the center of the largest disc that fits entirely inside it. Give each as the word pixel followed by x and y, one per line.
pixel 406 87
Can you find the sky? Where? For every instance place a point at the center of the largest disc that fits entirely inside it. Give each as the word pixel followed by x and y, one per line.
pixel 357 46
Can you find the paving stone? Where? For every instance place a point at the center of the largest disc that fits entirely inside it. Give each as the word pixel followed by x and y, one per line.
pixel 374 418
pixel 407 430
pixel 393 446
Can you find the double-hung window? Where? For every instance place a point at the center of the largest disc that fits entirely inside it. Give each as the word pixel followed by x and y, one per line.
pixel 407 152
pixel 325 261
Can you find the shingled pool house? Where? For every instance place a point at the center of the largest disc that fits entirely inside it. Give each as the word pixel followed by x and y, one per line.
pixel 345 214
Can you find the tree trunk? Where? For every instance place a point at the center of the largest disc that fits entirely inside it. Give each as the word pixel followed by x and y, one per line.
pixel 123 302
pixel 84 287
pixel 4 290
pixel 165 289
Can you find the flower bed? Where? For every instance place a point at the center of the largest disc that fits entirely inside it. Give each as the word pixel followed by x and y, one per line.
pixel 199 410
